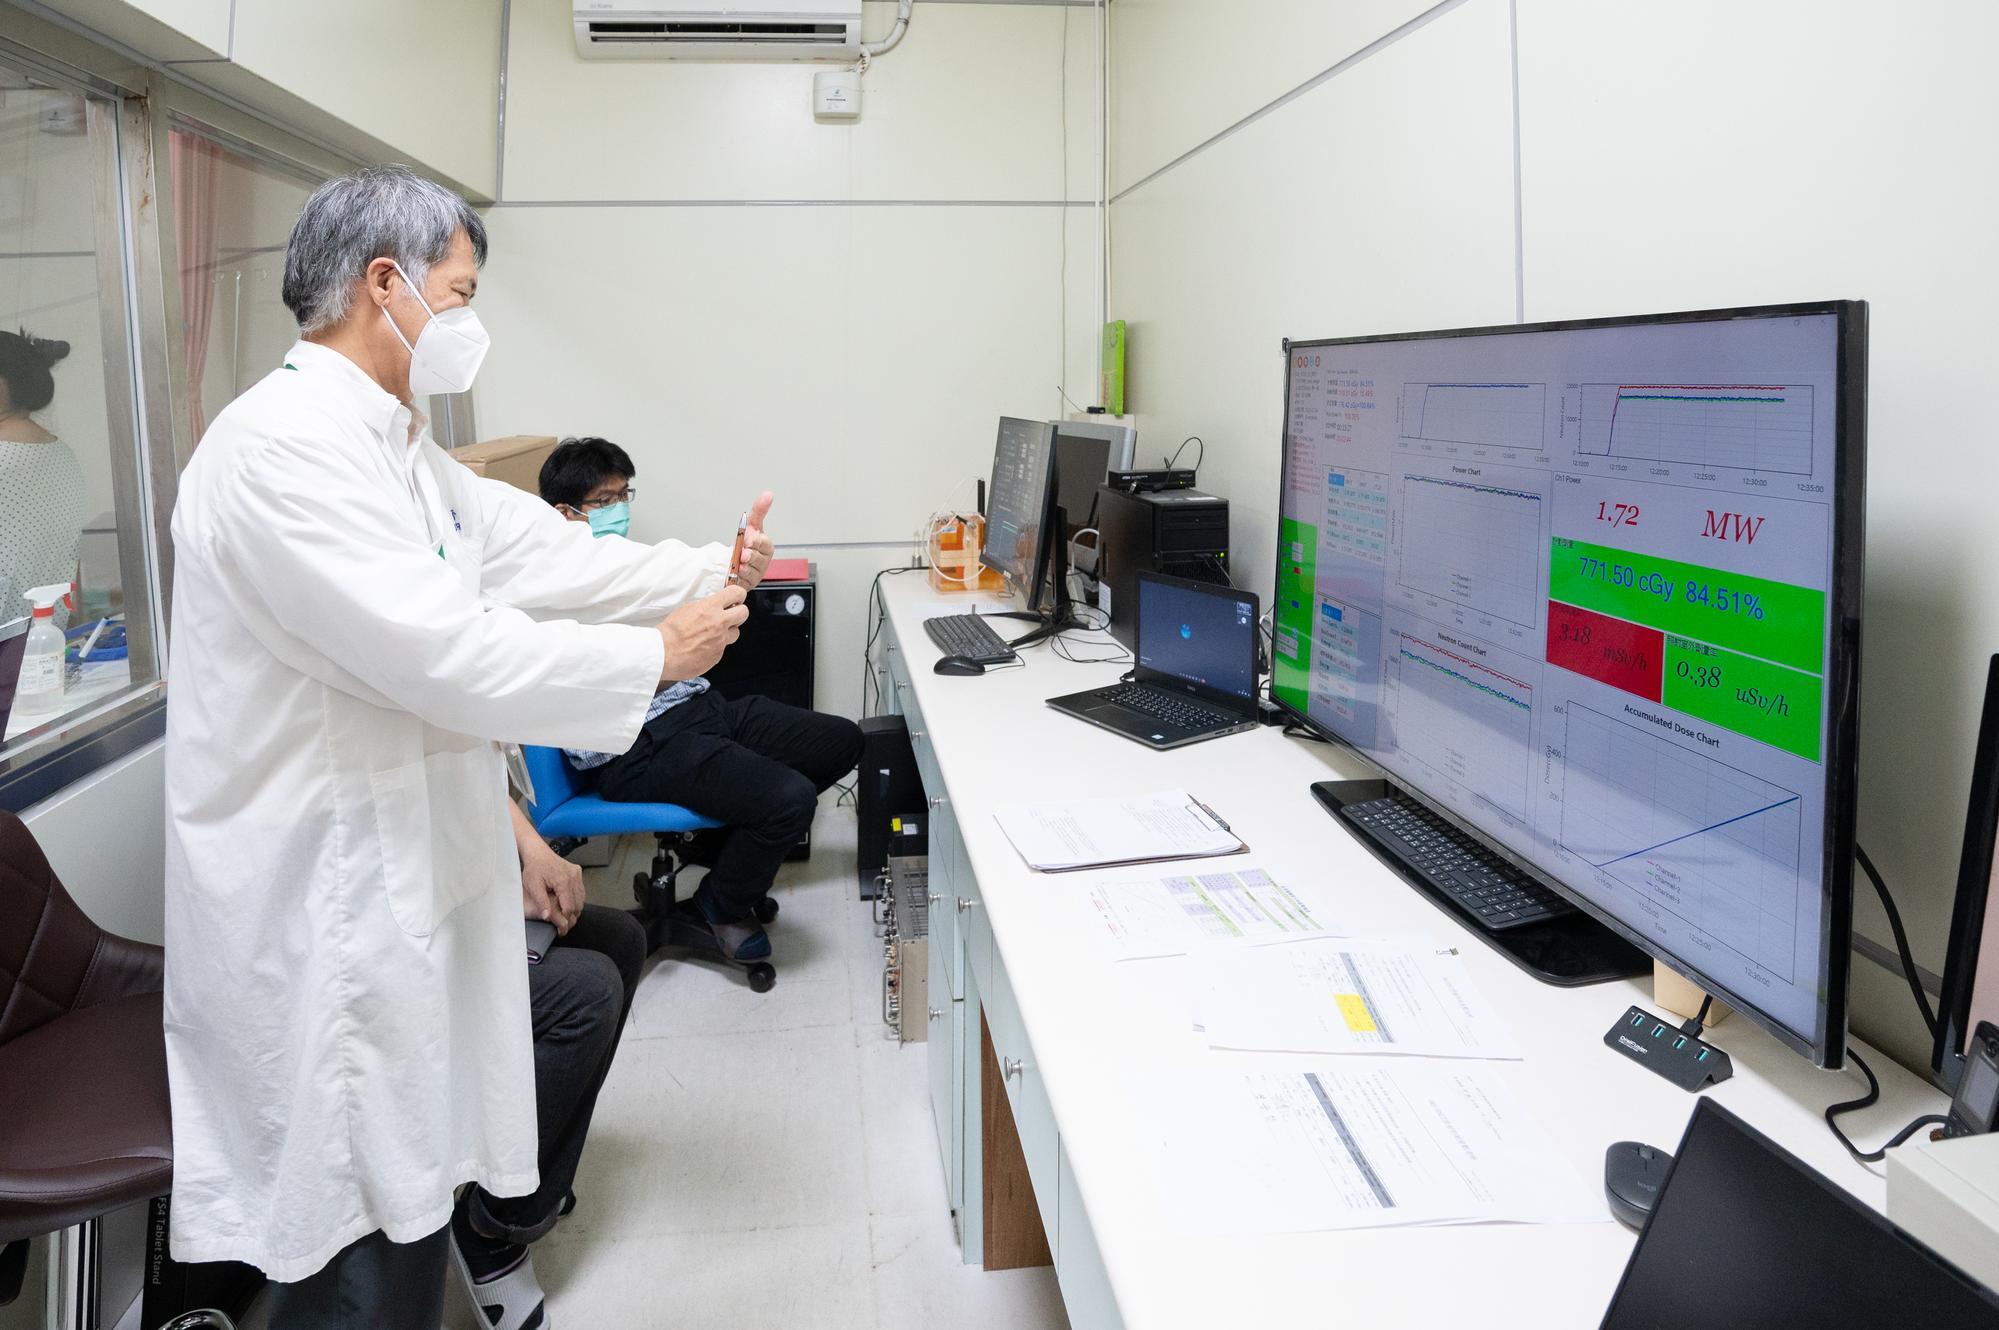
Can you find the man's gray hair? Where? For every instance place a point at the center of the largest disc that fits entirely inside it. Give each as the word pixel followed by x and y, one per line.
pixel 374 213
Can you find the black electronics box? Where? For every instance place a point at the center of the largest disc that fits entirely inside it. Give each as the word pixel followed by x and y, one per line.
pixel 773 655
pixel 1141 482
pixel 1184 533
pixel 888 801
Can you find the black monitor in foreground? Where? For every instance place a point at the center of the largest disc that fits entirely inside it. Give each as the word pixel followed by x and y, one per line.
pixel 1746 1235
pixel 1591 592
pixel 1025 537
pixel 1971 969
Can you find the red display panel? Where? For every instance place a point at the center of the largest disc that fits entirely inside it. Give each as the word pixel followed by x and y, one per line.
pixel 1614 651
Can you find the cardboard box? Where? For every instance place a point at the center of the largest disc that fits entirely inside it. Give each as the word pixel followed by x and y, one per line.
pixel 515 459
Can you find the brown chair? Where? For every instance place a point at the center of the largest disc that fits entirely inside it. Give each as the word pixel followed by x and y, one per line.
pixel 84 1126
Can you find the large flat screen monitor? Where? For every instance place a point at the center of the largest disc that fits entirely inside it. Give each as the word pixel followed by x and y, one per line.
pixel 1971 970
pixel 1591 590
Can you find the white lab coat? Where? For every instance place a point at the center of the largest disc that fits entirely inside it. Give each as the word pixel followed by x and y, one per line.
pixel 346 989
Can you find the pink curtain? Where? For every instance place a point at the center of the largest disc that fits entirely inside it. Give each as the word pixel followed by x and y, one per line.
pixel 196 165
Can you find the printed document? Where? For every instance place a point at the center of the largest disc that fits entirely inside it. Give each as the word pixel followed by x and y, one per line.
pixel 1103 833
pixel 1169 916
pixel 1363 1145
pixel 1347 995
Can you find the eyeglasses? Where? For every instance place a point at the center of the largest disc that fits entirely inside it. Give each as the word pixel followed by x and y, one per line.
pixel 625 495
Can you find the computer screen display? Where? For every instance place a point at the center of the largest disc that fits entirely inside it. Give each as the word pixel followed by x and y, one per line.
pixel 1744 1234
pixel 1971 969
pixel 1017 502
pixel 1198 634
pixel 1592 591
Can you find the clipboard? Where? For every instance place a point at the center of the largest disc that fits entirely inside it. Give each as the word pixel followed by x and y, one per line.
pixel 1070 836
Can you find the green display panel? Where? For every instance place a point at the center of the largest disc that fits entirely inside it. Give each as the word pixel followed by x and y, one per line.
pixel 1297 574
pixel 1773 620
pixel 1769 702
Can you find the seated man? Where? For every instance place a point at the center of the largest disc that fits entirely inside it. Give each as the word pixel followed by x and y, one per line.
pixel 578 998
pixel 755 765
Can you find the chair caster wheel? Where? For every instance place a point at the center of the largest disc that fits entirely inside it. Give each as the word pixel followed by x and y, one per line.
pixel 640 881
pixel 762 977
pixel 765 910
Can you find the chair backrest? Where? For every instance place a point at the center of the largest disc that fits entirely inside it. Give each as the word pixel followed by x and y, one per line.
pixel 554 782
pixel 53 959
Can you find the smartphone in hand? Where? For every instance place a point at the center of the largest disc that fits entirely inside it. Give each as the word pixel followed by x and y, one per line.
pixel 736 554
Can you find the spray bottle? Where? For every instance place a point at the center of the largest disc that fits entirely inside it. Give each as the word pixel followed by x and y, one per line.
pixel 42 666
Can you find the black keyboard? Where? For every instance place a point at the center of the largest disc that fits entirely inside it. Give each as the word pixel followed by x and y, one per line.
pixel 1493 892
pixel 1162 705
pixel 970 636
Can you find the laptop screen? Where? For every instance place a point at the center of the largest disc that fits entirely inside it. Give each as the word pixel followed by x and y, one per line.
pixel 1746 1234
pixel 1203 635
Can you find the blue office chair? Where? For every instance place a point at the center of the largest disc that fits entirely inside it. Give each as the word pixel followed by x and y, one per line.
pixel 566 817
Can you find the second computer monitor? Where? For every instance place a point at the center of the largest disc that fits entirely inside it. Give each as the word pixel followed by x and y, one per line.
pixel 1018 503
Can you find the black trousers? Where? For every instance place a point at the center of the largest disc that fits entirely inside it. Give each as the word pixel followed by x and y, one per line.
pixel 371 1284
pixel 578 998
pixel 755 765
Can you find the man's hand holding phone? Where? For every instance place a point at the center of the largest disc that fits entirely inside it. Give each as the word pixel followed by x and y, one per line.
pixel 752 553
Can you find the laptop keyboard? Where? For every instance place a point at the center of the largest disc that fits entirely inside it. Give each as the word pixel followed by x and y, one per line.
pixel 1165 706
pixel 970 636
pixel 1493 892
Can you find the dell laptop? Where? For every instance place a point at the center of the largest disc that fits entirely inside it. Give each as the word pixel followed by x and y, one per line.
pixel 1196 672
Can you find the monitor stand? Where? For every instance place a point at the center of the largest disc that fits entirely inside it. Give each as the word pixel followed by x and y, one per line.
pixel 1569 952
pixel 1061 616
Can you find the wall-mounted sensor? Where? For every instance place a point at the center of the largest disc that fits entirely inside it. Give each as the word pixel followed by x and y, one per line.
pixel 836 94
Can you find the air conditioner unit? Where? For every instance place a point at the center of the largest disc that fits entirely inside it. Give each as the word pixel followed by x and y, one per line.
pixel 718 29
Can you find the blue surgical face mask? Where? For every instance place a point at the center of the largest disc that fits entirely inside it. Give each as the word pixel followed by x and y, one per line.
pixel 613 519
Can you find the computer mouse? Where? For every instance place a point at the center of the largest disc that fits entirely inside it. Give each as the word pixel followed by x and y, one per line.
pixel 1633 1173
pixel 957 665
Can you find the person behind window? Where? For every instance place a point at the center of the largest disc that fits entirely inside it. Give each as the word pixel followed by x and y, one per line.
pixel 755 765
pixel 41 485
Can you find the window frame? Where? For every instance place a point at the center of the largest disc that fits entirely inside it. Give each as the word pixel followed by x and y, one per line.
pixel 133 327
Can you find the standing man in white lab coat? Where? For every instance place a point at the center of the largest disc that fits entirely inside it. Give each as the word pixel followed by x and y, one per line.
pixel 359 623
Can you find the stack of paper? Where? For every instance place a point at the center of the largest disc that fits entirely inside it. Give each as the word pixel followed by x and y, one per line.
pixel 1103 833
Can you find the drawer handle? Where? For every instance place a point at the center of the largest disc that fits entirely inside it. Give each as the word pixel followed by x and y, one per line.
pixel 901 687
pixel 1010 1069
pixel 936 1015
pixel 916 736
pixel 891 648
pixel 936 899
pixel 938 802
pixel 964 905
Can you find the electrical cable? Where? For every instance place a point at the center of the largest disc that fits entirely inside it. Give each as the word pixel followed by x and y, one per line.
pixel 1908 958
pixel 1833 1112
pixel 1693 1026
pixel 1199 457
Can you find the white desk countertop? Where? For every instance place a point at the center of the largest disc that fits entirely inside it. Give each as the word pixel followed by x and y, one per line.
pixel 1099 1029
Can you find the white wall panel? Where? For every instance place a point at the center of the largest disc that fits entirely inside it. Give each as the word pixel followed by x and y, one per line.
pixel 105 836
pixel 967 107
pixel 163 29
pixel 1305 224
pixel 853 359
pixel 1185 70
pixel 1820 151
pixel 420 78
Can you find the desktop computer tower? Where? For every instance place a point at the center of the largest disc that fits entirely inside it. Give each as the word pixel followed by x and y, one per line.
pixel 1183 533
pixel 888 801
pixel 772 656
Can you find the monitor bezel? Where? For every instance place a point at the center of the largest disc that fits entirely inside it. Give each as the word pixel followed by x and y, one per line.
pixel 1974 879
pixel 1826 1045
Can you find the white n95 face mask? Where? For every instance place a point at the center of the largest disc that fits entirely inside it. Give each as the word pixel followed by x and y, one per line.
pixel 449 350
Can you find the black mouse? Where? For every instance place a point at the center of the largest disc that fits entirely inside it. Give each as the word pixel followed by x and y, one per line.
pixel 957 665
pixel 1633 1173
